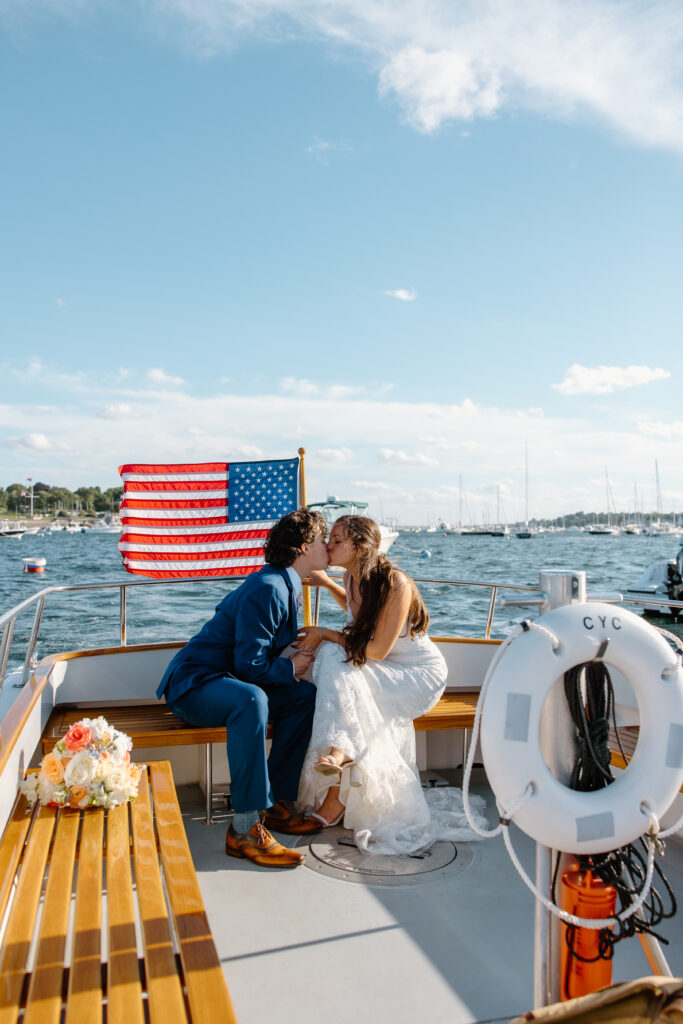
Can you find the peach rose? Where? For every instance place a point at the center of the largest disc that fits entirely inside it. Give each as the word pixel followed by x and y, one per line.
pixel 78 796
pixel 52 769
pixel 78 736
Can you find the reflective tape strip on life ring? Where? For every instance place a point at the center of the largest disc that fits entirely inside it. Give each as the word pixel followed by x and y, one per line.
pixel 519 683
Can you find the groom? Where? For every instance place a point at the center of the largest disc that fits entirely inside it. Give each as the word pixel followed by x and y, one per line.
pixel 233 673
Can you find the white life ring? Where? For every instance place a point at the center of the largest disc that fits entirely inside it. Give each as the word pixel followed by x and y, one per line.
pixel 516 689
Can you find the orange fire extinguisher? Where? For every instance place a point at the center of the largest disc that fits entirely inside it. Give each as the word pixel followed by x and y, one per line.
pixel 586 958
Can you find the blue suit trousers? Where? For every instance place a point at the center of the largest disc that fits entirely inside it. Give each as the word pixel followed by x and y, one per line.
pixel 245 709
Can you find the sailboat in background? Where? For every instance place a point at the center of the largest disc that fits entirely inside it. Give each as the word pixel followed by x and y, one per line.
pixel 526 533
pixel 605 529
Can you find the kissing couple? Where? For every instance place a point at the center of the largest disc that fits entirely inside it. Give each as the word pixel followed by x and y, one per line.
pixel 341 702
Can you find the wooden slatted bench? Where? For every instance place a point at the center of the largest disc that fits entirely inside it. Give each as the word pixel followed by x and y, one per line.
pixel 154 725
pixel 116 867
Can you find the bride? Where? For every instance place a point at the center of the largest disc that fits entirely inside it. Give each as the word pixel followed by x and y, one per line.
pixel 373 678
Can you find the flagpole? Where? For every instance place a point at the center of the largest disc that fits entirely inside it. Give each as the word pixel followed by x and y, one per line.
pixel 308 618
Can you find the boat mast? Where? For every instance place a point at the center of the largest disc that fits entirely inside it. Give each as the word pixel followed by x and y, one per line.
pixel 526 483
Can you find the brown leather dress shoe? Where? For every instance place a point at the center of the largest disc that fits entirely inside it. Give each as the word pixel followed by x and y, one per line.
pixel 259 846
pixel 280 819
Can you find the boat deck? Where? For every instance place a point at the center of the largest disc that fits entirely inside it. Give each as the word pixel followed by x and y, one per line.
pixel 302 946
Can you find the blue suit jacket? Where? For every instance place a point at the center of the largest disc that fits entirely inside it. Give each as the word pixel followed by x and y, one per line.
pixel 243 639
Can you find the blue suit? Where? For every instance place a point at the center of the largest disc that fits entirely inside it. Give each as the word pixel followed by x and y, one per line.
pixel 231 674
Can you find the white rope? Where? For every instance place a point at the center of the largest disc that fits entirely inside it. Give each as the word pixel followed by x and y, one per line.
pixel 519 802
pixel 585 922
pixel 670 831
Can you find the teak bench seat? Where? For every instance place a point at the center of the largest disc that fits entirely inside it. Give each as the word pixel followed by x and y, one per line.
pixel 116 865
pixel 154 725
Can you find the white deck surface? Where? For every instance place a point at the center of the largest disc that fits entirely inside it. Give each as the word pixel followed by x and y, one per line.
pixel 298 946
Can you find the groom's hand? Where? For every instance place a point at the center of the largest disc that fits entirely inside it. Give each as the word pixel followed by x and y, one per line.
pixel 301 661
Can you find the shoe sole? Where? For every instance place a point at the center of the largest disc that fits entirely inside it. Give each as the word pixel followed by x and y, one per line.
pixel 326 769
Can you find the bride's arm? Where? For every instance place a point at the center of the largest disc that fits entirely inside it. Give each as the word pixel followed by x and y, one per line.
pixel 391 619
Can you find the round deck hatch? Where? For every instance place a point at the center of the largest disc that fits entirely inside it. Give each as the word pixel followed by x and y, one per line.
pixel 333 852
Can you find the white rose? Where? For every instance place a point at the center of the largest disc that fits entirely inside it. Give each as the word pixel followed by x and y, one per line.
pixel 80 770
pixel 121 746
pixel 102 769
pixel 117 778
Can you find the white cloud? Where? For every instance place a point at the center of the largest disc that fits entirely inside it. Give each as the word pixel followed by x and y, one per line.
pixel 321 148
pixel 443 61
pixel 404 294
pixel 117 411
pixel 333 454
pixel 603 380
pixel 304 388
pixel 412 454
pixel 402 458
pixel 159 376
pixel 667 431
pixel 35 443
pixel 61 304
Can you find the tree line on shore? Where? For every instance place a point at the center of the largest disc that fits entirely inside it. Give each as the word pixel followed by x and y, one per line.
pixel 16 498
pixel 85 500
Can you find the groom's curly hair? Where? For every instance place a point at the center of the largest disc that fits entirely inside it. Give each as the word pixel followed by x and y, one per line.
pixel 376 578
pixel 283 543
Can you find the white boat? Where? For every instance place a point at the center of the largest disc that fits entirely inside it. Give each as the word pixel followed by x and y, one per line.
pixel 334 507
pixel 105 523
pixel 662 581
pixel 447 936
pixel 602 530
pixel 11 530
pixel 657 528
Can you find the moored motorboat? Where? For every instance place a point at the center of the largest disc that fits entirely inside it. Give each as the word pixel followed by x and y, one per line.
pixel 11 530
pixel 334 507
pixel 662 581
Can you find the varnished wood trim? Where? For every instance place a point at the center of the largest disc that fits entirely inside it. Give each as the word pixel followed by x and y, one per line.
pixel 128 649
pixel 19 712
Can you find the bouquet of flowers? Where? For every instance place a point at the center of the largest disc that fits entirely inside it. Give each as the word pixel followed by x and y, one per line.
pixel 89 767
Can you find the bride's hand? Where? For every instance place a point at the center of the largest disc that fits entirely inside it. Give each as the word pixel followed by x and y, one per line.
pixel 318 578
pixel 308 638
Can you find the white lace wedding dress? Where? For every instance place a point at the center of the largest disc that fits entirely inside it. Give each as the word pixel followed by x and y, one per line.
pixel 368 713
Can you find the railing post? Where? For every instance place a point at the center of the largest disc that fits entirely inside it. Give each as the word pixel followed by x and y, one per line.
pixel 558 588
pixel 122 615
pixel 4 649
pixel 32 642
pixel 492 608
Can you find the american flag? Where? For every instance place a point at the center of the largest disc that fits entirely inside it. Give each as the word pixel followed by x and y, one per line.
pixel 207 519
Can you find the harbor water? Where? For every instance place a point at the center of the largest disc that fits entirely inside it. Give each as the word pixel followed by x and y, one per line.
pixel 90 618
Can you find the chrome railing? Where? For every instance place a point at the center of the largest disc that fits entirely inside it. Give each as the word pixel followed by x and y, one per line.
pixel 8 619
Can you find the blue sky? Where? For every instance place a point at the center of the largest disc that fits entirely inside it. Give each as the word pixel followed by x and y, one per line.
pixel 411 237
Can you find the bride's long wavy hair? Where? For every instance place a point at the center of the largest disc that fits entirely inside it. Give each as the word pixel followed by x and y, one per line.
pixel 375 580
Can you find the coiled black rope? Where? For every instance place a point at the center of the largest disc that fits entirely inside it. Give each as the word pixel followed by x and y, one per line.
pixel 590 696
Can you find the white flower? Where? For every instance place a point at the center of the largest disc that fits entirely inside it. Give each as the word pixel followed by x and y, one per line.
pixel 117 778
pixel 102 769
pixel 121 746
pixel 47 791
pixel 29 787
pixel 80 770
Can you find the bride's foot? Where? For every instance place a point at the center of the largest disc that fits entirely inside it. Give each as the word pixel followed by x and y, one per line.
pixel 332 762
pixel 331 811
